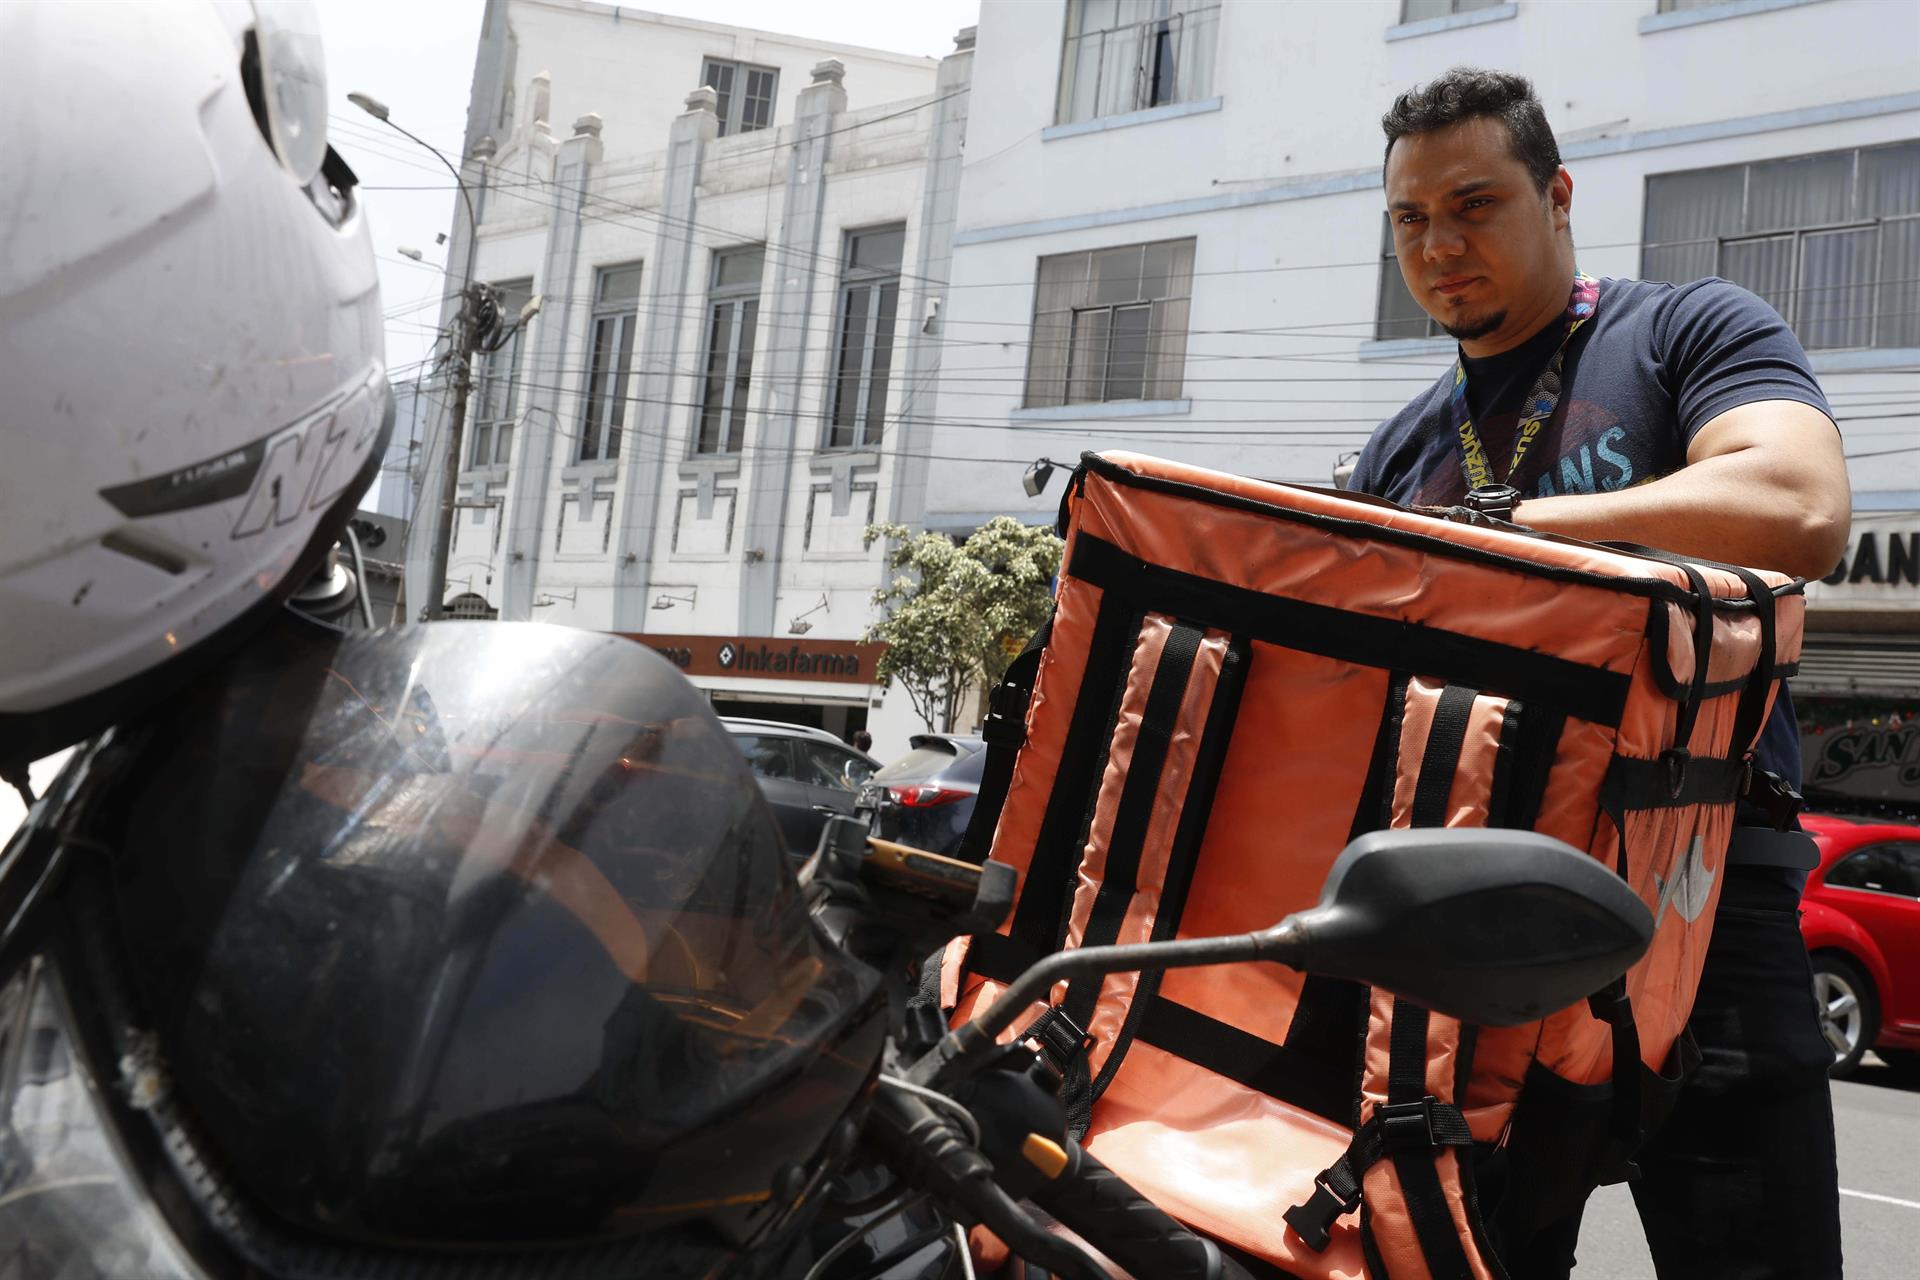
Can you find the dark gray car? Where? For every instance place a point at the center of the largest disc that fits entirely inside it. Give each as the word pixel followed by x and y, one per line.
pixel 806 774
pixel 926 797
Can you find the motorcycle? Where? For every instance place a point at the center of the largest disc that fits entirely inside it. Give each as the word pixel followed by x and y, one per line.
pixel 472 949
pixel 977 1126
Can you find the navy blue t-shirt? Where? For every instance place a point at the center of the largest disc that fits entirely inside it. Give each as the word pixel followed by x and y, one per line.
pixel 1655 364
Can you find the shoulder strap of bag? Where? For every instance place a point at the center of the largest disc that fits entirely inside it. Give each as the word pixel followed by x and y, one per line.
pixel 1005 730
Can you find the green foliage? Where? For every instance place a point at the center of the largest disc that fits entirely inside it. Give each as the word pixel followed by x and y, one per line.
pixel 956 613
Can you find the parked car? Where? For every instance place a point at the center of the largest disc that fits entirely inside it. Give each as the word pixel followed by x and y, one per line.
pixel 1860 917
pixel 926 797
pixel 806 774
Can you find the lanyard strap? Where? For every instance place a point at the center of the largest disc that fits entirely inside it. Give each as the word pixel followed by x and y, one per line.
pixel 1541 401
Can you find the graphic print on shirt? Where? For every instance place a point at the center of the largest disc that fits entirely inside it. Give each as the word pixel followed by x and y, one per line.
pixel 1586 449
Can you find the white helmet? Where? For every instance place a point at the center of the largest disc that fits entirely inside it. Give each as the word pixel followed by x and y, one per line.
pixel 193 389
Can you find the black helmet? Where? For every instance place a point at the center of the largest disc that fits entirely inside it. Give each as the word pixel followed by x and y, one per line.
pixel 455 948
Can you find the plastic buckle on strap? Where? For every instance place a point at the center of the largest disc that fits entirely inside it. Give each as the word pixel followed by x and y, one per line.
pixel 1006 722
pixel 1407 1126
pixel 1061 1039
pixel 1313 1221
pixel 1675 758
pixel 1773 796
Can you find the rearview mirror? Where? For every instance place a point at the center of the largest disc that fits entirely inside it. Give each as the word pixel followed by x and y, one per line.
pixel 1493 927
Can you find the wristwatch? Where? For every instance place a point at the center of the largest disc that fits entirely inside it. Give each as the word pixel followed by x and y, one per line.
pixel 1496 500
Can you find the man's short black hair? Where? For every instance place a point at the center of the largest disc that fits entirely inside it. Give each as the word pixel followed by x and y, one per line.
pixel 1466 92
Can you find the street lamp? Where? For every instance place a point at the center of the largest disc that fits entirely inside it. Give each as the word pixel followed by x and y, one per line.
pixel 1037 475
pixel 799 626
pixel 467 338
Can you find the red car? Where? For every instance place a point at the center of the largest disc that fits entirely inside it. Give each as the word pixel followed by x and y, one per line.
pixel 1861 919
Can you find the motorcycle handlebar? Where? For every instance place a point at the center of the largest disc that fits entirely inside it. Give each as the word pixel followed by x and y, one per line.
pixel 1100 1207
pixel 925 1149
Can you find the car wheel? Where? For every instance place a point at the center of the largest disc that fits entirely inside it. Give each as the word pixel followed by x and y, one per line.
pixel 1849 1013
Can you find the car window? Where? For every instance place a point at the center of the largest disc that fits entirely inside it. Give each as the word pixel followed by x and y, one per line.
pixel 828 766
pixel 922 762
pixel 971 767
pixel 769 757
pixel 1910 859
pixel 1882 868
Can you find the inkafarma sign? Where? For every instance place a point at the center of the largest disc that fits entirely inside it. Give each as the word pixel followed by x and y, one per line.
pixel 768 658
pixel 1860 748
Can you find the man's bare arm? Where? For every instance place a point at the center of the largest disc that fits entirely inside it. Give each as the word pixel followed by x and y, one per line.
pixel 1765 485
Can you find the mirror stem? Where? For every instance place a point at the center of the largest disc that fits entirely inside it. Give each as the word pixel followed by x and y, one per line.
pixel 1284 943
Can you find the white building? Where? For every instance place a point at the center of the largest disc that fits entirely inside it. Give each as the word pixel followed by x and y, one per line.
pixel 394 492
pixel 1171 237
pixel 738 240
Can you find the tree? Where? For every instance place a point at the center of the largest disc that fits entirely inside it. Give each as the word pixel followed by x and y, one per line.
pixel 956 613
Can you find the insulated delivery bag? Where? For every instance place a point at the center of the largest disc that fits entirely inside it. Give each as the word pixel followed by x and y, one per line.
pixel 1238 678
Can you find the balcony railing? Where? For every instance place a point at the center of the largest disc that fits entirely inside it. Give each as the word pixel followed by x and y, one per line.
pixel 1137 65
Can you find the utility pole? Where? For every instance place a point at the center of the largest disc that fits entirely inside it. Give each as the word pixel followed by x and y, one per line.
pixel 466 331
pixel 479 313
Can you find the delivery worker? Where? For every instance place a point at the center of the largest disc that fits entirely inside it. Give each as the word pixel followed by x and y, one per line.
pixel 1684 417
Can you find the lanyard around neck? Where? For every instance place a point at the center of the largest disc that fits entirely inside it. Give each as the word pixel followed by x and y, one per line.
pixel 1540 403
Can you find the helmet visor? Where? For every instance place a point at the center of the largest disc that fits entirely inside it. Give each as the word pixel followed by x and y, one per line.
pixel 491 924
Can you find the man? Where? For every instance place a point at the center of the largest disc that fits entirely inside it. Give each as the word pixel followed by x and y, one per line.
pixel 1686 418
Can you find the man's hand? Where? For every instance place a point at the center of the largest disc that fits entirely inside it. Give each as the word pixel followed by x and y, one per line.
pixel 1765 485
pixel 1468 515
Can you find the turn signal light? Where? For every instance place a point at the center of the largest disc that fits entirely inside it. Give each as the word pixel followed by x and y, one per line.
pixel 925 796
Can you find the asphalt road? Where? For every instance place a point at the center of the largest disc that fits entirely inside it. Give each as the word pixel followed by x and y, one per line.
pixel 1877 1123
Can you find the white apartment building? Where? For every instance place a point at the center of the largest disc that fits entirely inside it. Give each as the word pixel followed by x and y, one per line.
pixel 739 242
pixel 1171 238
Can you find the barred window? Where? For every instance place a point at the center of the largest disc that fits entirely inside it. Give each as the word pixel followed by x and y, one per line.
pixel 616 313
pixel 1416 10
pixel 1128 55
pixel 1111 324
pixel 1832 241
pixel 745 94
pixel 869 304
pixel 733 310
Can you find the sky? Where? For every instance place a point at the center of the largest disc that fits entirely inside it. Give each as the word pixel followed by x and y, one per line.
pixel 417 58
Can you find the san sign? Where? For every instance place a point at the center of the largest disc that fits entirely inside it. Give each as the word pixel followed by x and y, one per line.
pixel 1881 569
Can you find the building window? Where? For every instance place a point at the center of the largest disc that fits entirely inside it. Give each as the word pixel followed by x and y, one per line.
pixel 745 92
pixel 733 307
pixel 1111 324
pixel 616 312
pixel 1420 10
pixel 1831 240
pixel 869 301
pixel 1398 315
pixel 472 607
pixel 496 396
pixel 1128 55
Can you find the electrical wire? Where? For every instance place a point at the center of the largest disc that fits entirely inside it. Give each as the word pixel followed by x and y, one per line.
pixel 952 1106
pixel 905 1202
pixel 360 576
pixel 964 1254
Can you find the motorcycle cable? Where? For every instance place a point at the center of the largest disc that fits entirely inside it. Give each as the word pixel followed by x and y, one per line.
pixel 965 1256
pixel 899 1206
pixel 952 1106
